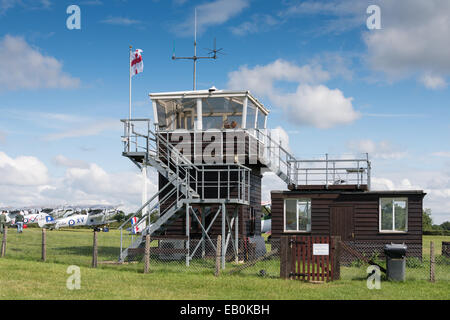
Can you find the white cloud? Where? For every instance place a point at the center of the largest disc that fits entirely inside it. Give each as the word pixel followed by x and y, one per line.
pixel 31 70
pixel 3 135
pixel 22 171
pixel 5 5
pixel 311 103
pixel 256 23
pixel 445 154
pixel 211 14
pixel 90 129
pixel 63 161
pixel 381 150
pixel 25 181
pixel 121 21
pixel 279 135
pixel 347 14
pixel 435 184
pixel 271 181
pixel 433 82
pixel 413 40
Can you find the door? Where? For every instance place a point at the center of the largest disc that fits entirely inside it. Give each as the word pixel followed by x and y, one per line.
pixel 341 222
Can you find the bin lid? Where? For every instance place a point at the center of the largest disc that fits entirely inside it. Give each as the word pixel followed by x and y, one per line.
pixel 395 249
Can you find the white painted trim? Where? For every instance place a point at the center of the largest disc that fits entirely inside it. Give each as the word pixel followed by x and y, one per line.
pixel 296 216
pixel 155 112
pixel 199 111
pixel 244 113
pixel 393 216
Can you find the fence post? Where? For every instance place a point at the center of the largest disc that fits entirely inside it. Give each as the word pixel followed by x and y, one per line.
pixel 95 250
pixel 336 243
pixel 5 232
pixel 432 261
pixel 44 244
pixel 147 254
pixel 218 255
pixel 285 261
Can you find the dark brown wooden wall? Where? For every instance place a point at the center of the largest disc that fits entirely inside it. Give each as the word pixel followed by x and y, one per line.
pixel 365 218
pixel 178 227
pixel 250 146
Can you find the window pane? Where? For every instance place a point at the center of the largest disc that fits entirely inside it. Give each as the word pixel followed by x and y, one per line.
pixel 251 114
pixel 386 214
pixel 161 115
pixel 304 215
pixel 214 122
pixel 400 215
pixel 234 121
pixel 291 215
pixel 261 120
pixel 221 113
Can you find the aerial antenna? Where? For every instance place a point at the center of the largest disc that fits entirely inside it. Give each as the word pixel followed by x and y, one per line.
pixel 194 58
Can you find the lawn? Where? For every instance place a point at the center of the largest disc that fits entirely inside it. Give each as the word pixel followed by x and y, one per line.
pixel 23 276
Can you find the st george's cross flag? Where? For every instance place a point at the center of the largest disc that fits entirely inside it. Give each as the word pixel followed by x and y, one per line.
pixel 137 64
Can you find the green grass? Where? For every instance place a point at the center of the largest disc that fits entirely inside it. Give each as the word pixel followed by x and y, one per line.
pixel 23 276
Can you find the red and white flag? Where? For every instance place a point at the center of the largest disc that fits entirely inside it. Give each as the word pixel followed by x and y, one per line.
pixel 137 64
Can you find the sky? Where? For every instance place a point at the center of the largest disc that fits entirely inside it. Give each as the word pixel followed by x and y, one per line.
pixel 337 76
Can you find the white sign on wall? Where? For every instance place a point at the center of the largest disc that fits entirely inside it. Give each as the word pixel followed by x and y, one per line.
pixel 321 249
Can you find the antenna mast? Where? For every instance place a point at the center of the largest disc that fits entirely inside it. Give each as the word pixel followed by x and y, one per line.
pixel 194 58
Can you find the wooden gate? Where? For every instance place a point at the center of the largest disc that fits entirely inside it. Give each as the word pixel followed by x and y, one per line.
pixel 310 258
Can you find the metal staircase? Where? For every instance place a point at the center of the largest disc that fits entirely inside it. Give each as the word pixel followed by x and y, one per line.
pixel 183 186
pixel 186 183
pixel 324 171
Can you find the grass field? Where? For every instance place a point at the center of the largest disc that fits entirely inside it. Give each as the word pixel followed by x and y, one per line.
pixel 22 276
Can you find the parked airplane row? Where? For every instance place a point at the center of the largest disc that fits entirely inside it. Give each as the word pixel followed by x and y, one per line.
pixel 60 217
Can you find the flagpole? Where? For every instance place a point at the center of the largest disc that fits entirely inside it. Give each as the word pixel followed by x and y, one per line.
pixel 129 67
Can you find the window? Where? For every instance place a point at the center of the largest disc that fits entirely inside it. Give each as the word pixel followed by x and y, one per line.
pixel 261 120
pixel 251 114
pixel 393 214
pixel 221 113
pixel 297 215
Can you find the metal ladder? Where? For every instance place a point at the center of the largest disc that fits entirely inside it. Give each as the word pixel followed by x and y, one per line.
pixel 180 172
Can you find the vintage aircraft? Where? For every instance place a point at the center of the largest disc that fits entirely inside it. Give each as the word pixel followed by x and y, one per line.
pixel 266 221
pixel 95 216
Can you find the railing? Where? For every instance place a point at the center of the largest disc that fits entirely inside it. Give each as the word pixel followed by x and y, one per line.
pixel 332 172
pixel 233 180
pixel 209 182
pixel 225 182
pixel 263 147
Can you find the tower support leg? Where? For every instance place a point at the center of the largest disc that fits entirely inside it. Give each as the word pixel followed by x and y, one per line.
pixel 187 235
pixel 144 186
pixel 236 234
pixel 224 249
pixel 203 230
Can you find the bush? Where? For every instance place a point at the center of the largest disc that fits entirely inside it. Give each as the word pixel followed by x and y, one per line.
pixel 414 262
pixel 436 232
pixel 443 260
pixel 357 263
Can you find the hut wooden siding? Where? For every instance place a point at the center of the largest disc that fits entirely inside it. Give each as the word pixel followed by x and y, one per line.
pixel 364 208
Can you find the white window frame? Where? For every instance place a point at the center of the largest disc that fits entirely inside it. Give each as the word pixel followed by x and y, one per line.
pixel 393 215
pixel 296 218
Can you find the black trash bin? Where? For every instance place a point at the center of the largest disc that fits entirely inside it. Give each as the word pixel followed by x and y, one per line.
pixel 395 261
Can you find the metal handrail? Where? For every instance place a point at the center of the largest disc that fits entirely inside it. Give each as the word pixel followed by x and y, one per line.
pixel 145 205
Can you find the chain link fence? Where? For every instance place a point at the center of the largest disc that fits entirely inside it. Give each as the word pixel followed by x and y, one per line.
pixel 255 257
pixel 418 261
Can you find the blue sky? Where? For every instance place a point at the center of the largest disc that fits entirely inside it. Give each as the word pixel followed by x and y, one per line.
pixel 331 83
